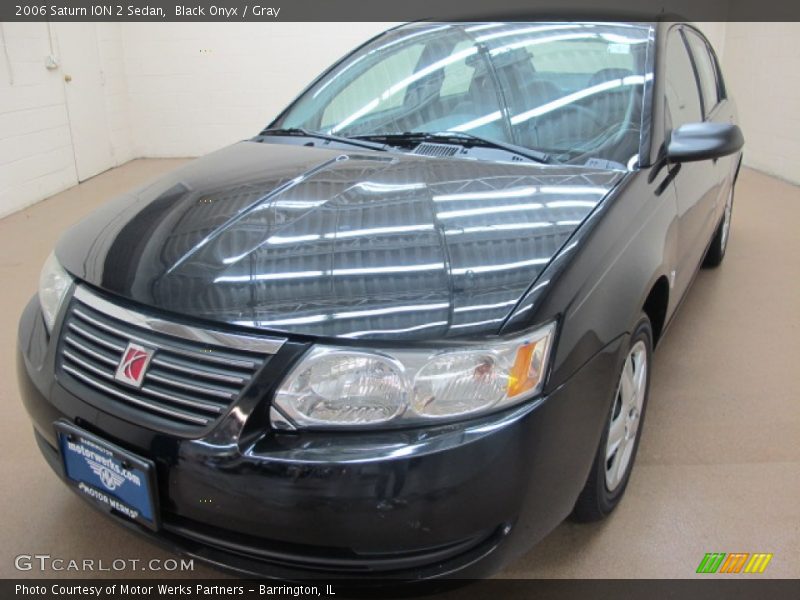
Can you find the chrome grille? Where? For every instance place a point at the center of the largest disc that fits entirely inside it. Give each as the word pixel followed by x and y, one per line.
pixel 194 376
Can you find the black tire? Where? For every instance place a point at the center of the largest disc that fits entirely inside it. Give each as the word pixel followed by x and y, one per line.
pixel 716 251
pixel 596 501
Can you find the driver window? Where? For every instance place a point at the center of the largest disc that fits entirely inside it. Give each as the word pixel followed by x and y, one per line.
pixel 682 94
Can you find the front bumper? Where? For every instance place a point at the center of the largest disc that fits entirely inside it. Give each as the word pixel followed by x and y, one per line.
pixel 457 500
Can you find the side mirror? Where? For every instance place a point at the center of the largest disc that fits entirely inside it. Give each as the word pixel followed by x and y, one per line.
pixel 704 141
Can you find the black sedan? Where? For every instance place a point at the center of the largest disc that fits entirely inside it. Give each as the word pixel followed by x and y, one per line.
pixel 408 328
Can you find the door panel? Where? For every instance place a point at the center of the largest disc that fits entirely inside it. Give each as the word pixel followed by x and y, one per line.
pixel 717 109
pixel 697 184
pixel 83 90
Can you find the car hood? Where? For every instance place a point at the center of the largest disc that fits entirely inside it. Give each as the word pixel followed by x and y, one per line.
pixel 342 244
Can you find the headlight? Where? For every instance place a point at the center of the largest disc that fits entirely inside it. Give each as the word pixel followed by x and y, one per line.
pixel 54 282
pixel 343 387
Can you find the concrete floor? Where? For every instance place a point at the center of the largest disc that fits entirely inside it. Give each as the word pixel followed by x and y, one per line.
pixel 718 467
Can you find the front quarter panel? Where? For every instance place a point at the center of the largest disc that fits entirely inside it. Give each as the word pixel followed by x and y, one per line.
pixel 598 285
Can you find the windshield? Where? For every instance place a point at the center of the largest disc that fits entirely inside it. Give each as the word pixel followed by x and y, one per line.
pixel 573 90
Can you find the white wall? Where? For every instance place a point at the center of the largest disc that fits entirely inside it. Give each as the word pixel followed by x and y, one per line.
pixel 35 148
pixel 762 70
pixel 195 87
pixel 36 154
pixel 715 32
pixel 117 98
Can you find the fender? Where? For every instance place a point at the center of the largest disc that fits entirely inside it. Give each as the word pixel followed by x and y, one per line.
pixel 599 282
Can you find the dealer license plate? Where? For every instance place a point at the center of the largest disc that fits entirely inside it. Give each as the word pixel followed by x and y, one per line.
pixel 115 479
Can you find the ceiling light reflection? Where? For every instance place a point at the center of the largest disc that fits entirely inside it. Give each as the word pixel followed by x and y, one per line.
pixel 525 30
pixel 500 227
pixel 571 204
pixel 388 269
pixel 474 307
pixel 378 231
pixel 356 334
pixel 501 267
pixel 575 96
pixel 479 122
pixel 389 311
pixel 486 210
pixel 372 186
pixel 476 323
pixel 540 41
pixel 490 195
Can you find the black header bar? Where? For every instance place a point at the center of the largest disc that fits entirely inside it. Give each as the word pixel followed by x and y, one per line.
pixel 396 10
pixel 707 588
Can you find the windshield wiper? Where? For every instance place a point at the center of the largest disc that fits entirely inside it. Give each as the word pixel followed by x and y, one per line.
pixel 458 137
pixel 302 132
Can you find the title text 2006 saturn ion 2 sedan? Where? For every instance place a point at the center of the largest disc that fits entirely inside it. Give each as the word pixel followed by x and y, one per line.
pixel 405 330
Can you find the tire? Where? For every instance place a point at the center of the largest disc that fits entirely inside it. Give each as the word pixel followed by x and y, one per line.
pixel 716 251
pixel 609 476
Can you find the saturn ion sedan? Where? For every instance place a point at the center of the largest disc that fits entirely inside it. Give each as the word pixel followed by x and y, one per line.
pixel 406 329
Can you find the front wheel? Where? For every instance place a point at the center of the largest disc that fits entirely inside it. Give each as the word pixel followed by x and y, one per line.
pixel 617 451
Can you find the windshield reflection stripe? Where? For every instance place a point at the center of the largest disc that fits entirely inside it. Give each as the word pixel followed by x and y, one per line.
pixel 579 95
pixel 432 68
pixel 540 41
pixel 525 30
pixel 373 51
pixel 483 26
pixel 480 121
pixel 355 116
pixel 622 39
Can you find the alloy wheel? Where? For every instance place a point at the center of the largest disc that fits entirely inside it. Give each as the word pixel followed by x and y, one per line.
pixel 626 415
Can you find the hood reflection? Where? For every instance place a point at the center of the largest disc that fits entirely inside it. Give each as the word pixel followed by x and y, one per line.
pixel 355 246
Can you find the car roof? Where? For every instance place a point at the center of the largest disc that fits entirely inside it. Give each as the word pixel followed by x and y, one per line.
pixel 523 23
